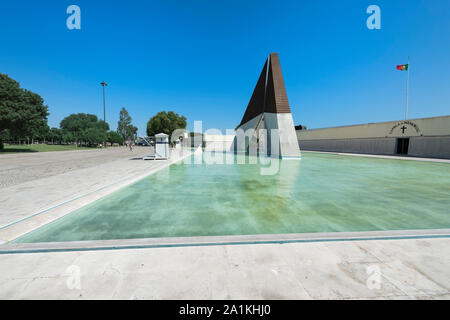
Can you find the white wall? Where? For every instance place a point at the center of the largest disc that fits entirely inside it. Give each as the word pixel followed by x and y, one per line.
pixel 286 132
pixel 218 142
pixel 438 126
pixel 429 137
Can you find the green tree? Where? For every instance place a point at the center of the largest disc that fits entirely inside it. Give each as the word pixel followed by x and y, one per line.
pixel 94 135
pixel 123 126
pixel 5 135
pixel 68 137
pixel 114 137
pixel 165 122
pixel 55 135
pixel 42 133
pixel 21 111
pixel 102 125
pixel 132 132
pixel 85 128
pixel 77 123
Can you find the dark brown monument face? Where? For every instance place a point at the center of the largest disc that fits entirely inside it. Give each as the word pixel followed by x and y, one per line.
pixel 270 93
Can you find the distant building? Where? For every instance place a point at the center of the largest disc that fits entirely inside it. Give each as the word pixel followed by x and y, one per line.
pixel 426 137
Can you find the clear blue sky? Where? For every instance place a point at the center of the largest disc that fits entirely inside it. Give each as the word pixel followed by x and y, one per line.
pixel 202 58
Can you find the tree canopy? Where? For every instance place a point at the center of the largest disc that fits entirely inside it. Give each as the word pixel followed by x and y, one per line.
pixel 82 127
pixel 22 112
pixel 114 137
pixel 165 122
pixel 54 135
pixel 124 126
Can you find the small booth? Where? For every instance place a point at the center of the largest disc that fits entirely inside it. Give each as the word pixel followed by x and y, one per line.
pixel 162 147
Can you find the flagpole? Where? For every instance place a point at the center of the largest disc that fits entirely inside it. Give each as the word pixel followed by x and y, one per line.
pixel 407 89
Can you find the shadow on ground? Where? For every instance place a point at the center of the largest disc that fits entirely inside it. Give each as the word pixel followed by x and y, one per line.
pixel 17 150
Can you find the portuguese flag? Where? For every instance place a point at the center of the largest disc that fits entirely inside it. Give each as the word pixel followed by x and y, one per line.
pixel 403 67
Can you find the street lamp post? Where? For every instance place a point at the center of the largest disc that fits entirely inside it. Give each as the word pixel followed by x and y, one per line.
pixel 104 84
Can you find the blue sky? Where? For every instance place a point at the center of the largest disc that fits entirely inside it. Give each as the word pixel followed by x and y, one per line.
pixel 202 58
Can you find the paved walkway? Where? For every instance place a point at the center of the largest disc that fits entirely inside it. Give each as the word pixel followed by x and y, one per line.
pixel 19 168
pixel 393 269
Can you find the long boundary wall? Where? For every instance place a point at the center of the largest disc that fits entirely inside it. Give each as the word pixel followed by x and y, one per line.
pixel 428 137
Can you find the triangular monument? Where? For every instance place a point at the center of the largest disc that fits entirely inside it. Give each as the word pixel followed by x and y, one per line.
pixel 269 109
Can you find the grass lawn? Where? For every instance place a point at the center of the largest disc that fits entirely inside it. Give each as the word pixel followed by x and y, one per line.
pixel 39 148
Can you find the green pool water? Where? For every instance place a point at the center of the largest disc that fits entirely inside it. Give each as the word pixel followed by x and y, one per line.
pixel 320 193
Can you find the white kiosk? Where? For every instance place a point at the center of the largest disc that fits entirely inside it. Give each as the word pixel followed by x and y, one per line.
pixel 162 147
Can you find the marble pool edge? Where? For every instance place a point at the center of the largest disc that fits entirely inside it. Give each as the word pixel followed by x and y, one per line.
pixel 124 244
